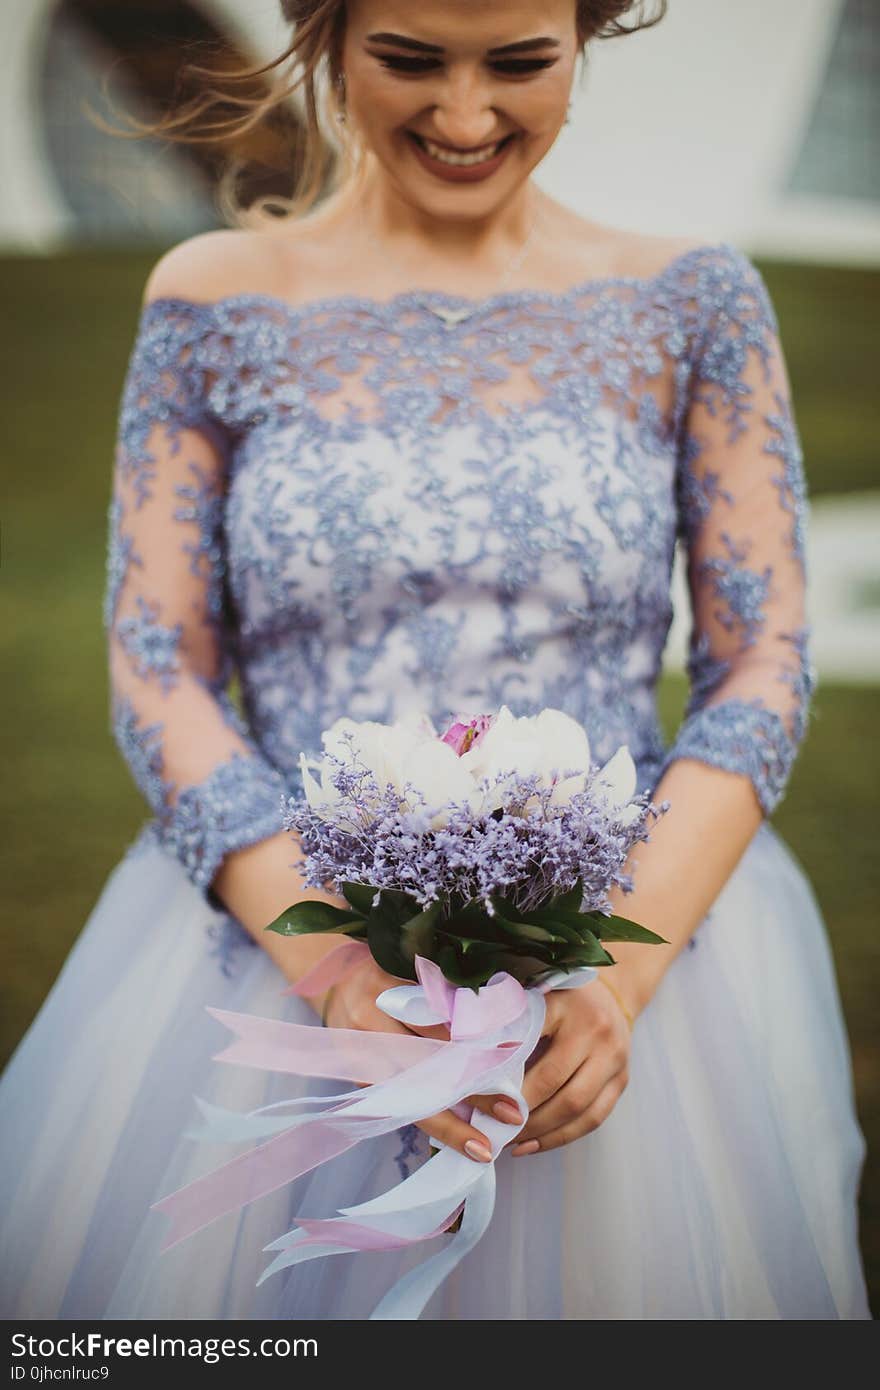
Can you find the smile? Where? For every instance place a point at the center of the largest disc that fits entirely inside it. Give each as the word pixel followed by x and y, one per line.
pixel 464 159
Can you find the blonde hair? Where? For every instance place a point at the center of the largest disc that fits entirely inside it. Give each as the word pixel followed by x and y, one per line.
pixel 309 71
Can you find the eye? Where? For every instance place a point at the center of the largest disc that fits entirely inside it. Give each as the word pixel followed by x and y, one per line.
pixel 398 64
pixel 509 67
pixel 516 67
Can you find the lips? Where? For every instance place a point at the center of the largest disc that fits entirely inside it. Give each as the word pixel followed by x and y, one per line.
pixel 470 165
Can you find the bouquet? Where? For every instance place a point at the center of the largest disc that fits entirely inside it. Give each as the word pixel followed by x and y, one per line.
pixel 490 847
pixel 475 863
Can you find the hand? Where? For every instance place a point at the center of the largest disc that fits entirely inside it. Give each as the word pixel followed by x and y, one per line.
pixel 578 1079
pixel 351 1003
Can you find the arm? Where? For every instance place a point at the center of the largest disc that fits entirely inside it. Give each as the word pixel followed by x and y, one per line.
pixel 216 798
pixel 742 511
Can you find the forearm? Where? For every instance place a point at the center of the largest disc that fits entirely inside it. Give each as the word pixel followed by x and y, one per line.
pixel 678 874
pixel 258 883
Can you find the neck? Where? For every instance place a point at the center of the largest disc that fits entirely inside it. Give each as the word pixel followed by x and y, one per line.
pixel 419 234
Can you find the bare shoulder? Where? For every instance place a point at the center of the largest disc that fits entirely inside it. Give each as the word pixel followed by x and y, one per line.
pixel 213 264
pixel 587 247
pixel 645 256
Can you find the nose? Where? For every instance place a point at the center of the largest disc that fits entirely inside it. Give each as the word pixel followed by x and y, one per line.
pixel 463 115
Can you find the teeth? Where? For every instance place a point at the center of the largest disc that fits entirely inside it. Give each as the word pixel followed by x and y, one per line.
pixel 462 160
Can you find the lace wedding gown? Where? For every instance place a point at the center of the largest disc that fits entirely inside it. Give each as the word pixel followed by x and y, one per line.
pixel 362 507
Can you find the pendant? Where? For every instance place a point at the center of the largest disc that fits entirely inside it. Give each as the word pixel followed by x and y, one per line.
pixel 450 316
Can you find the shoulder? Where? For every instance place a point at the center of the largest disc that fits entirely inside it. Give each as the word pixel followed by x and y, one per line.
pixel 210 265
pixel 699 262
pixel 648 256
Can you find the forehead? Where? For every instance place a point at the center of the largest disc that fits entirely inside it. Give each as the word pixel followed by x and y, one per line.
pixel 463 24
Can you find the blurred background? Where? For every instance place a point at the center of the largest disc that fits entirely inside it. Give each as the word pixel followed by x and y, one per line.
pixel 754 122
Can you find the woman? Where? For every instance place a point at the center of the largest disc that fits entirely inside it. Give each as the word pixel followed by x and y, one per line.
pixel 430 447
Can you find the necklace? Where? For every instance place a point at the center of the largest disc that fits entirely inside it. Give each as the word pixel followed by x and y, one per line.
pixel 450 316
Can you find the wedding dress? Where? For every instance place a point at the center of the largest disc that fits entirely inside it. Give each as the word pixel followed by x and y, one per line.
pixel 363 508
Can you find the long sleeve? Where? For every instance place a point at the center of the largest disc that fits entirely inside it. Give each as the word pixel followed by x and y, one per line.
pixel 166 608
pixel 742 518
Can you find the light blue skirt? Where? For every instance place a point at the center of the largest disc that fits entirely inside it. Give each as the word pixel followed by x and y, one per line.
pixel 723 1185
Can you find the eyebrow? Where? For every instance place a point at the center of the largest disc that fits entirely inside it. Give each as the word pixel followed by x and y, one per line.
pixel 521 46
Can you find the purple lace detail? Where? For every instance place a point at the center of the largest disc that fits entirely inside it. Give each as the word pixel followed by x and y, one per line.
pixel 741 736
pixel 413 1145
pixel 234 807
pixel 356 510
pixel 153 648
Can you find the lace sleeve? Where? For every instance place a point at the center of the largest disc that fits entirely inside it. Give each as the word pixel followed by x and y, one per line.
pixel 170 662
pixel 742 518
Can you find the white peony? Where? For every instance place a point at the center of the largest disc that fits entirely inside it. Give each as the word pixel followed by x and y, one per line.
pixel 617 781
pixel 408 751
pixel 549 743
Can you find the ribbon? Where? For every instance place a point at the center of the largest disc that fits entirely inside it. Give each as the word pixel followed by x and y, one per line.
pixel 492 1034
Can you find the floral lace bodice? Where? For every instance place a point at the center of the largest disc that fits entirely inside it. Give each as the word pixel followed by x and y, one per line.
pixel 362 507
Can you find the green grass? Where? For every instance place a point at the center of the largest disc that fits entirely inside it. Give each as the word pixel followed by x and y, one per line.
pixel 70 805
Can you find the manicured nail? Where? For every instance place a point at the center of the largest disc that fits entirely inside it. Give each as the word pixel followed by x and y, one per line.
pixel 474 1149
pixel 506 1110
pixel 528 1146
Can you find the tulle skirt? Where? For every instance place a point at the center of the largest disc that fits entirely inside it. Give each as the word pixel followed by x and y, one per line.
pixel 723 1185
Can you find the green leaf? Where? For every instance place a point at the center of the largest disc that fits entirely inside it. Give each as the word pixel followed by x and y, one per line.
pixel 553 921
pixel 590 953
pixel 395 906
pixel 622 929
pixel 572 899
pixel 468 945
pixel 383 939
pixel 417 935
pixel 312 915
pixel 528 931
pixel 360 895
pixel 605 928
pixel 459 973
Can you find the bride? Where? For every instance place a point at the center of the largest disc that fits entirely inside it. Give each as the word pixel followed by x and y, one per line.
pixel 429 445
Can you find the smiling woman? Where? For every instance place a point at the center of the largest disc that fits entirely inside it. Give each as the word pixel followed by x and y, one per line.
pixel 310 71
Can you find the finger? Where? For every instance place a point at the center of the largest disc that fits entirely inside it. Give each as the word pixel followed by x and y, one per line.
pixel 500 1107
pixel 458 1134
pixel 564 1055
pixel 576 1096
pixel 590 1120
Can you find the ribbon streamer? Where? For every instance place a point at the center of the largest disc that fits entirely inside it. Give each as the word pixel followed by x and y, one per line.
pixel 492 1034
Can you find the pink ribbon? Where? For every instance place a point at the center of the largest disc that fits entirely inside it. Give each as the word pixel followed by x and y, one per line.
pixel 425 1066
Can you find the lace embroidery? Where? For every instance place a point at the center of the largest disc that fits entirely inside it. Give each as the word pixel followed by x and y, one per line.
pixel 741 736
pixel 203 506
pixel 153 648
pixel 228 810
pixel 743 592
pixel 228 938
pixel 413 1145
pixel 358 510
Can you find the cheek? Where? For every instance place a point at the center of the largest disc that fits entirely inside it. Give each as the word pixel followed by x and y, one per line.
pixel 382 103
pixel 540 109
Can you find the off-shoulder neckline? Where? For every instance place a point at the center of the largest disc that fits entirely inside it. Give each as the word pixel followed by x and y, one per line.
pixel 415 297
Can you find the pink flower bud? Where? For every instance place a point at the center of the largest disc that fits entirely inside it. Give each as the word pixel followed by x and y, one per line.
pixel 466 734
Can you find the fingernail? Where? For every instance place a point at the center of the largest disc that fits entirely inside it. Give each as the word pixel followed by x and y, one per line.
pixel 506 1110
pixel 528 1146
pixel 476 1150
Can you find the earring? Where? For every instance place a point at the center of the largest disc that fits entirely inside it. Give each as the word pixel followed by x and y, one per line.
pixel 567 115
pixel 340 97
